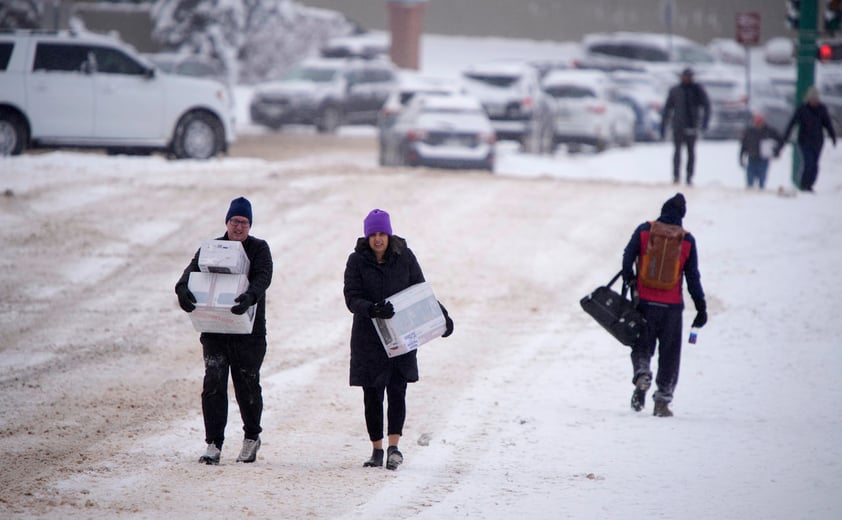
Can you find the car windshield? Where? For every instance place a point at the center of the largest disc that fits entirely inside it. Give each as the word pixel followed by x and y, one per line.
pixel 315 74
pixel 692 55
pixel 570 91
pixel 494 80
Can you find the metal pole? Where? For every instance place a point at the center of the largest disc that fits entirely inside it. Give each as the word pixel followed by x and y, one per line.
pixel 806 55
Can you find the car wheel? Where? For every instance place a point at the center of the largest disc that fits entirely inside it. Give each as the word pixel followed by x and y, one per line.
pixel 12 134
pixel 330 120
pixel 199 135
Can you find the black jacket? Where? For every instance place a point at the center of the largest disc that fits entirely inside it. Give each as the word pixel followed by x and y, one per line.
pixel 810 120
pixel 260 276
pixel 682 107
pixel 367 282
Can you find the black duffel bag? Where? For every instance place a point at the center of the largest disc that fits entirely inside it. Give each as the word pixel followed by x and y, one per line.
pixel 616 313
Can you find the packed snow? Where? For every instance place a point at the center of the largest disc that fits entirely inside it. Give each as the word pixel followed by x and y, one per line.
pixel 523 412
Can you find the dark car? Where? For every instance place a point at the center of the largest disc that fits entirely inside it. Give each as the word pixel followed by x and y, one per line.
pixel 326 93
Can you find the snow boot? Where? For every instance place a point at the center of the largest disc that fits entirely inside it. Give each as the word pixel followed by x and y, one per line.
pixel 376 459
pixel 211 455
pixel 662 409
pixel 642 382
pixel 638 400
pixel 394 459
pixel 249 451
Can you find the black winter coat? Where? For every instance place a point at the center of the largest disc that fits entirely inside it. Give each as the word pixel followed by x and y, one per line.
pixel 682 107
pixel 811 121
pixel 260 276
pixel 367 282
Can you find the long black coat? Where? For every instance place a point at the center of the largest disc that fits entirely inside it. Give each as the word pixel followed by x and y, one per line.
pixel 367 282
pixel 811 121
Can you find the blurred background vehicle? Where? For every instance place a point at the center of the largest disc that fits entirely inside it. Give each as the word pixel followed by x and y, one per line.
pixel 411 84
pixel 661 54
pixel 729 110
pixel 367 44
pixel 445 131
pixel 586 111
pixel 727 50
pixel 645 97
pixel 326 93
pixel 510 92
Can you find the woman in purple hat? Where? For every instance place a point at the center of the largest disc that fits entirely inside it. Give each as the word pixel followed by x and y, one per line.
pixel 380 266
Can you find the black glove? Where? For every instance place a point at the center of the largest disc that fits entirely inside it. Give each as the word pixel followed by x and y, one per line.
pixel 381 309
pixel 701 314
pixel 448 323
pixel 186 300
pixel 448 327
pixel 244 301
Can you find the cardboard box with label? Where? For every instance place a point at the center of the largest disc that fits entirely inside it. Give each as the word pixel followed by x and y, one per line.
pixel 418 319
pixel 223 256
pixel 215 293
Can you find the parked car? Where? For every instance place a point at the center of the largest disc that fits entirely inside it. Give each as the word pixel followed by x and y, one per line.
pixel 774 98
pixel 511 94
pixel 326 93
pixel 410 85
pixel 586 111
pixel 66 89
pixel 440 131
pixel 363 45
pixel 729 110
pixel 661 54
pixel 645 97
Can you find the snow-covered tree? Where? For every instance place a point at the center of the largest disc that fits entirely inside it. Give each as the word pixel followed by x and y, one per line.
pixel 254 39
pixel 20 14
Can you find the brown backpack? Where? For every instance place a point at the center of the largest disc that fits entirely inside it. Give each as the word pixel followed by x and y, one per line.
pixel 660 266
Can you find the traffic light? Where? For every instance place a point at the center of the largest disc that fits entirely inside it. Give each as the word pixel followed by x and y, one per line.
pixel 793 13
pixel 824 53
pixel 832 16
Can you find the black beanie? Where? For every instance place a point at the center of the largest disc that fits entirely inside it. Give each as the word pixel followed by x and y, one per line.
pixel 675 207
pixel 240 207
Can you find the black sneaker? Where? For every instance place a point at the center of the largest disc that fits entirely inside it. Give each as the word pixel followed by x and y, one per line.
pixel 376 459
pixel 211 455
pixel 394 459
pixel 249 451
pixel 662 409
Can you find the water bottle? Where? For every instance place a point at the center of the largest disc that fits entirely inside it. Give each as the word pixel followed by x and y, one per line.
pixel 694 333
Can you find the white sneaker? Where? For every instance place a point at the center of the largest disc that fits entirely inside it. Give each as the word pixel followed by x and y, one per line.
pixel 211 455
pixel 249 451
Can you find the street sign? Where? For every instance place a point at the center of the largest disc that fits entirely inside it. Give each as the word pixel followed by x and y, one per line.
pixel 748 28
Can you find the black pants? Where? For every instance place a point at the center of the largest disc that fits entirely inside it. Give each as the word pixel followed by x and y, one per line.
pixel 809 165
pixel 680 139
pixel 242 356
pixel 395 389
pixel 663 330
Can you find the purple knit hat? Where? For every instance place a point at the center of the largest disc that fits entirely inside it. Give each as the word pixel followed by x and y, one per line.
pixel 377 221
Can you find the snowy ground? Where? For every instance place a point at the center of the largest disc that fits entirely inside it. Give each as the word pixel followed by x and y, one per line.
pixel 526 405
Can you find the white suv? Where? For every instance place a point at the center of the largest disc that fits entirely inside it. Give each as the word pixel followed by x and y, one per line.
pixel 87 90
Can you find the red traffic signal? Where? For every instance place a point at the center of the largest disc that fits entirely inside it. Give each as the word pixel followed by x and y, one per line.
pixel 825 53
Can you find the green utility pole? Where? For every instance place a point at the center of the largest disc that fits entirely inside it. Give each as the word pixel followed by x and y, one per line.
pixel 806 60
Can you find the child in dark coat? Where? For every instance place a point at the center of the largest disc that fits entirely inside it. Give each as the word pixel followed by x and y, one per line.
pixel 758 144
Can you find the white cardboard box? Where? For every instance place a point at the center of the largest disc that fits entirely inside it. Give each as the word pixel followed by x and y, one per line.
pixel 418 319
pixel 215 293
pixel 223 256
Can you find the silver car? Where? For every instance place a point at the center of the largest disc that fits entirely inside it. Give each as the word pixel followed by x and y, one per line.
pixel 440 131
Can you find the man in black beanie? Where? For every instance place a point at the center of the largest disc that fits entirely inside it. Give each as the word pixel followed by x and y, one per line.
pixel 656 260
pixel 241 354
